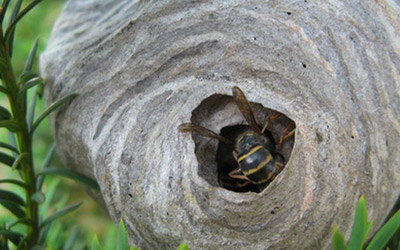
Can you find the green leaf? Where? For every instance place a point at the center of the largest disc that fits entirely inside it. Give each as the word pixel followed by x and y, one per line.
pixel 32 82
pixel 38 197
pixel 4 114
pixel 4 243
pixel 4 6
pixel 110 238
pixel 14 237
pixel 12 142
pixel 39 91
pixel 338 242
pixel 50 109
pixel 24 220
pixel 384 234
pixel 15 182
pixel 2 88
pixel 11 125
pixel 72 175
pixel 8 146
pixel 14 12
pixel 122 238
pixel 23 244
pixel 367 229
pixel 31 109
pixel 27 85
pixel 60 213
pixel 10 196
pixel 6 159
pixel 26 76
pixel 3 65
pixel 43 234
pixel 95 244
pixel 68 245
pixel 359 226
pixel 183 246
pixel 31 56
pixel 13 208
pixel 46 164
pixel 9 36
pixel 19 159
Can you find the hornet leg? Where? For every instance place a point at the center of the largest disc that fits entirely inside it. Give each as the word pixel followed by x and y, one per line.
pixel 269 119
pixel 286 133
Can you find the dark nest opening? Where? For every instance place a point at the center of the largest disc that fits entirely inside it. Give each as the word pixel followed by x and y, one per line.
pixel 220 114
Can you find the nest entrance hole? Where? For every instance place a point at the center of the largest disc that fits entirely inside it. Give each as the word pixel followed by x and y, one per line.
pixel 220 114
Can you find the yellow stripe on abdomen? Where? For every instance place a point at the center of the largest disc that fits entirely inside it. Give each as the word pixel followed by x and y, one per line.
pixel 261 165
pixel 249 153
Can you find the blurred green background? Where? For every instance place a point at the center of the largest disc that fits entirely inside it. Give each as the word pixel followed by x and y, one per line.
pixel 90 218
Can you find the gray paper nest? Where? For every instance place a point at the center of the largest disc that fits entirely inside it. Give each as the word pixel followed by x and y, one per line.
pixel 141 68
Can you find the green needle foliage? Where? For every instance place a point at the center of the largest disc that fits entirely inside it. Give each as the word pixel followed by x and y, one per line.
pixel 19 120
pixel 361 228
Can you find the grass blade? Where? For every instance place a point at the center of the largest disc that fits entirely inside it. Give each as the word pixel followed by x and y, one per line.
pixel 13 208
pixel 10 196
pixel 31 56
pixel 183 246
pixel 43 234
pixel 46 164
pixel 6 159
pixel 50 109
pixel 95 244
pixel 338 242
pixel 122 237
pixel 72 175
pixel 15 182
pixel 14 237
pixel 109 238
pixel 71 239
pixel 8 146
pixel 51 196
pixel 384 234
pixel 359 226
pixel 60 213
pixel 367 229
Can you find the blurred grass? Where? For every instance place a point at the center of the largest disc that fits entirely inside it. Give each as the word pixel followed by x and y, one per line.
pixel 89 218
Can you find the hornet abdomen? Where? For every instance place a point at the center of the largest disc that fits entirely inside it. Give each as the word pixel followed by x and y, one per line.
pixel 257 164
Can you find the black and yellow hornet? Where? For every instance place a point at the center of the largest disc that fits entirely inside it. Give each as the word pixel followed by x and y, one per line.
pixel 254 149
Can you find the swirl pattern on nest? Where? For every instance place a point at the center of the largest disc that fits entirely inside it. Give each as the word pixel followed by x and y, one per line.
pixel 142 67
